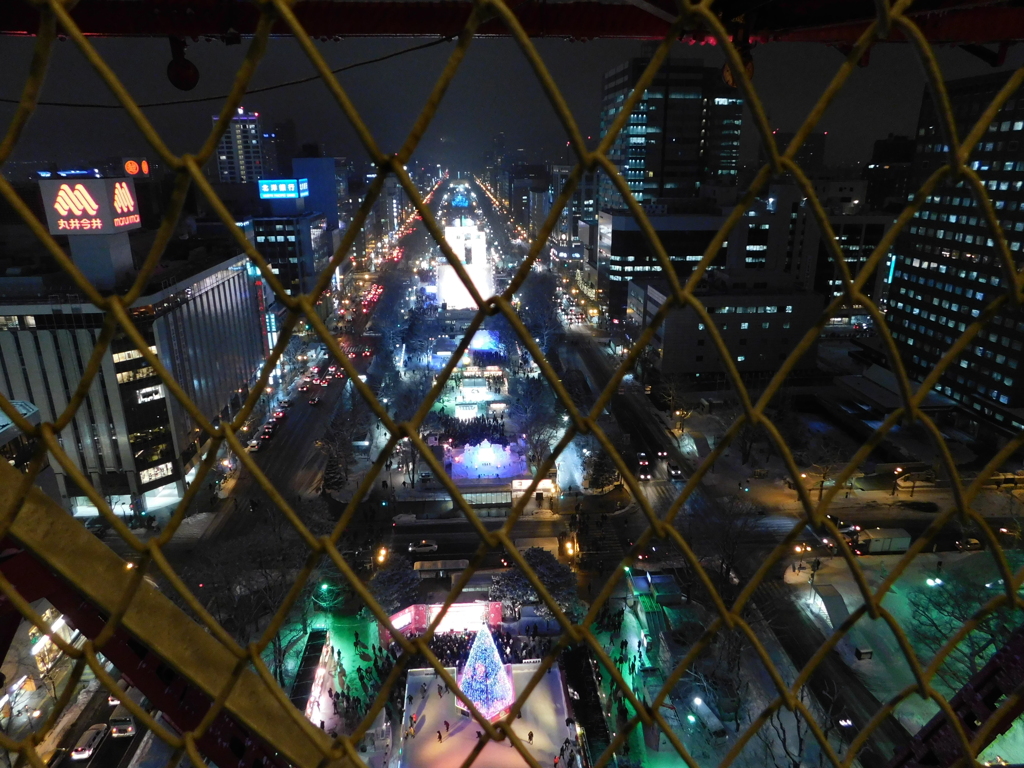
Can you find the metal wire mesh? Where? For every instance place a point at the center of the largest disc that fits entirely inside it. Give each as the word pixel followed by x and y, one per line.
pixel 129 590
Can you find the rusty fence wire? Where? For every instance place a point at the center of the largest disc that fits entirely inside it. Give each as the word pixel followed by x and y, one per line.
pixel 19 501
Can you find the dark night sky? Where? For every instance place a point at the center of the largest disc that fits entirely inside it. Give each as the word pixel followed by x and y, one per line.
pixel 494 90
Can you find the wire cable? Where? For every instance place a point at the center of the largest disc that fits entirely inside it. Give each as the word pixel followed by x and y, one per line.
pixel 251 91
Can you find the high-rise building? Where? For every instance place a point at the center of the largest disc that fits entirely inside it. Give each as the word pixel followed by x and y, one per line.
pixel 242 151
pixel 947 268
pixel 297 247
pixel 889 172
pixel 581 205
pixel 683 132
pixel 811 155
pixel 132 439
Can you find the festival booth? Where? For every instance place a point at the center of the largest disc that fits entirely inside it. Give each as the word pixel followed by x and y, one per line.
pixel 460 617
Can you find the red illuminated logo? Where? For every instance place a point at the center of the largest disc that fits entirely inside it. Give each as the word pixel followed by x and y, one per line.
pixel 145 167
pixel 76 201
pixel 123 200
pixel 131 167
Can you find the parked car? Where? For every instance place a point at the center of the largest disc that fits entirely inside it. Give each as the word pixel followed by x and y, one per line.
pixel 423 545
pixel 89 742
pixel 57 757
pixel 969 545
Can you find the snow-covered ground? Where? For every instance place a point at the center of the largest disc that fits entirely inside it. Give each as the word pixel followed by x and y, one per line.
pixel 887 672
pixel 544 714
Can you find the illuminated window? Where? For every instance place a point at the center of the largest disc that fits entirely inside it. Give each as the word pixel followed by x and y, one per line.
pixel 155 473
pixel 149 394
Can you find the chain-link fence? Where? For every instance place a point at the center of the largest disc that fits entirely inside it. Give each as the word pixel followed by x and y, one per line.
pixel 235 678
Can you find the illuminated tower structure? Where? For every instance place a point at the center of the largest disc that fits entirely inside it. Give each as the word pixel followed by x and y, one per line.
pixel 243 151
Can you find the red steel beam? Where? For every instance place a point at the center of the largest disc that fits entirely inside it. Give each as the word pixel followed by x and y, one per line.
pixel 821 21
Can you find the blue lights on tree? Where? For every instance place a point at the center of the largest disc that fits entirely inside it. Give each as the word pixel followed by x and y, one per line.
pixel 484 679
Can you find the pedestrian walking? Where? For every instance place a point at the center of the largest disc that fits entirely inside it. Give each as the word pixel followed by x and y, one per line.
pixel 446 726
pixel 438 737
pixel 440 691
pixel 529 737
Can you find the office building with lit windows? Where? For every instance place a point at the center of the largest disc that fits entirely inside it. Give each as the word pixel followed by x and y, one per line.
pixel 131 438
pixel 760 329
pixel 947 268
pixel 244 153
pixel 623 253
pixel 683 133
pixel 297 248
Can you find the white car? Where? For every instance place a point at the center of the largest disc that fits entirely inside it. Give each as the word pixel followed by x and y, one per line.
pixel 253 446
pixel 423 545
pixel 89 742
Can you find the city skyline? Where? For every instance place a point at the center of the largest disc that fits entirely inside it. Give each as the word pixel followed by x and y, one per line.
pixel 475 477
pixel 879 99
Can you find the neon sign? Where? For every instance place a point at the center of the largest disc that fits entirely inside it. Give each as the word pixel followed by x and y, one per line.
pixel 90 206
pixel 135 166
pixel 283 189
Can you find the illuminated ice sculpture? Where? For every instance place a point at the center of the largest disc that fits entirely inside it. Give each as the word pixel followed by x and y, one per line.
pixel 485 680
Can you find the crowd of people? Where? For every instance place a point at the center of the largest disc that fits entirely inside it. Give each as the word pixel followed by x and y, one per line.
pixel 484 357
pixel 452 648
pixel 609 620
pixel 471 431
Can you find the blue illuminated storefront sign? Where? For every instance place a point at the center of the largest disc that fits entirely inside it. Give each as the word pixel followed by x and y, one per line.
pixel 281 189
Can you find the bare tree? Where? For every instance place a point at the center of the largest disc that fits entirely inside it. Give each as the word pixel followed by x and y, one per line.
pixel 938 612
pixel 787 737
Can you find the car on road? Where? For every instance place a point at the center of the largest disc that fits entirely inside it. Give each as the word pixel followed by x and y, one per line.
pixel 662 453
pixel 89 742
pixel 57 757
pixel 253 446
pixel 122 686
pixel 675 472
pixel 287 403
pixel 314 400
pixel 969 545
pixel 644 474
pixel 279 414
pixel 423 545
pixel 641 459
pixel 304 387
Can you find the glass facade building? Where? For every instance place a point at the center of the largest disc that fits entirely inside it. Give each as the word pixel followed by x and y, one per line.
pixel 947 267
pixel 683 132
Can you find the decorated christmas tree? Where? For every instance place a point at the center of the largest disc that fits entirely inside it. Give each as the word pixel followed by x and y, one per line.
pixel 485 680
